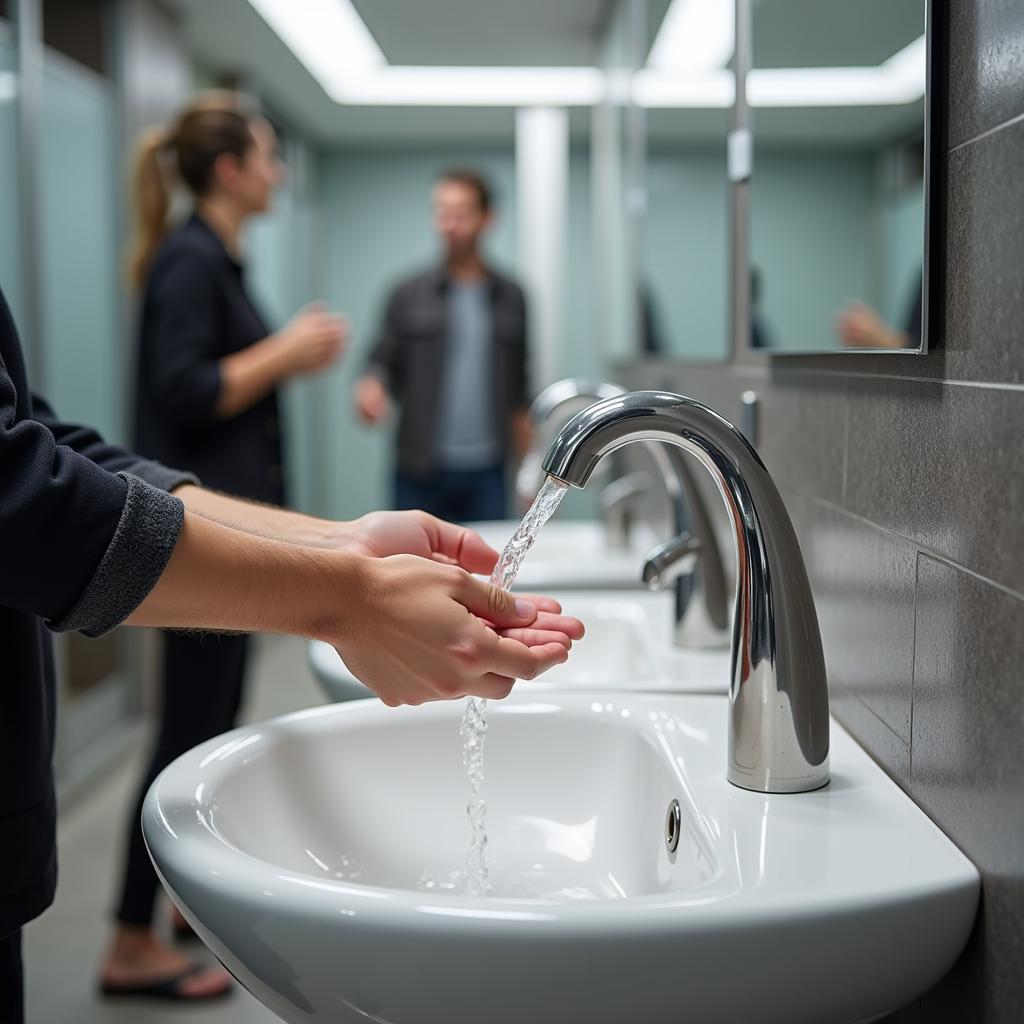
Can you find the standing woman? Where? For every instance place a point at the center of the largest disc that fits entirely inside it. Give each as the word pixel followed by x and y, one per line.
pixel 207 401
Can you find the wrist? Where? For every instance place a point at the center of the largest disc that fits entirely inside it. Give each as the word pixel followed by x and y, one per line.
pixel 332 596
pixel 281 349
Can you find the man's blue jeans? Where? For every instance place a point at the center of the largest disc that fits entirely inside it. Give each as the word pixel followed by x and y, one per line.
pixel 458 495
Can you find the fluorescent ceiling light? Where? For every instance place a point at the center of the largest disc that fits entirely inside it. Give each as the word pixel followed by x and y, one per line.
pixel 909 65
pixel 327 36
pixel 899 80
pixel 695 40
pixel 707 91
pixel 695 35
pixel 828 87
pixel 475 87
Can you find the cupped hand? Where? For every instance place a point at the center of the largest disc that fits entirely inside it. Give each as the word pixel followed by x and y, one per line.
pixel 416 630
pixel 381 534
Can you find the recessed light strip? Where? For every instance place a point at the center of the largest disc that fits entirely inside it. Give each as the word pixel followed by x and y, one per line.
pixel 333 42
pixel 695 35
pixel 328 37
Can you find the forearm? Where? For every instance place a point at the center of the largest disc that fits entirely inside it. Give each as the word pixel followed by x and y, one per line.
pixel 262 520
pixel 249 375
pixel 219 578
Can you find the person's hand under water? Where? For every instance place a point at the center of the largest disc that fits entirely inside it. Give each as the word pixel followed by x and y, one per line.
pixel 415 630
pixel 381 534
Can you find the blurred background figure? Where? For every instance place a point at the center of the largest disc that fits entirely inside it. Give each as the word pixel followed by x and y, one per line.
pixel 452 353
pixel 759 334
pixel 860 326
pixel 208 372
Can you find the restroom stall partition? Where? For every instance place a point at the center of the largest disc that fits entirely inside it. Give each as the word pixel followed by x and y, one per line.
pixel 61 153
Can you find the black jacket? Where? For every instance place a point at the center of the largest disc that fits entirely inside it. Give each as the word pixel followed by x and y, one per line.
pixel 408 358
pixel 196 311
pixel 82 541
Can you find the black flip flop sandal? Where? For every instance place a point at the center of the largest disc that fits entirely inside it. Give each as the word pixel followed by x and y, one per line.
pixel 166 989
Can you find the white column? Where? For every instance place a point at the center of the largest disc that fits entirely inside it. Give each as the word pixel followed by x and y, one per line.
pixel 542 191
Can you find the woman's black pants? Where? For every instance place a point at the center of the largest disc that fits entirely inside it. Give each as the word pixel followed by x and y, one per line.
pixel 202 692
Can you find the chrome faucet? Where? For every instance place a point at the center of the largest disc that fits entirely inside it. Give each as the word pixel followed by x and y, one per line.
pixel 691 562
pixel 778 696
pixel 549 411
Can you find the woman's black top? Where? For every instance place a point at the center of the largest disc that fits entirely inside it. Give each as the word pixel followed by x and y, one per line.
pixel 195 312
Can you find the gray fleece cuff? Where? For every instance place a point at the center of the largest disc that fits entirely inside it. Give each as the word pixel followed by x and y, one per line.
pixel 159 475
pixel 134 560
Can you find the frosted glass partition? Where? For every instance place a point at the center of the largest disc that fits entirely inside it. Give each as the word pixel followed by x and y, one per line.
pixel 83 366
pixel 10 235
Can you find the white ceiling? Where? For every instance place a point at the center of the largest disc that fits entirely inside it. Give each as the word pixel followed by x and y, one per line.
pixel 229 37
pixel 555 33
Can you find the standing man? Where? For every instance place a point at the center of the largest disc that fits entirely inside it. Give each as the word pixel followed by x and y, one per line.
pixel 452 353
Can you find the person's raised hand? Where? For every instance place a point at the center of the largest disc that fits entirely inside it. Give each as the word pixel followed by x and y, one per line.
pixel 314 339
pixel 373 403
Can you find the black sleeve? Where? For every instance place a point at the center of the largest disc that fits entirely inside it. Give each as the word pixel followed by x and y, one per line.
pixel 79 546
pixel 181 335
pixel 386 357
pixel 111 457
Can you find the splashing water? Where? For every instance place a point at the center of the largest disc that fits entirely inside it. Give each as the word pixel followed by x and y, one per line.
pixel 473 729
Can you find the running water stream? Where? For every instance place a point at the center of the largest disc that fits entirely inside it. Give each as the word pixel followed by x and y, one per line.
pixel 473 729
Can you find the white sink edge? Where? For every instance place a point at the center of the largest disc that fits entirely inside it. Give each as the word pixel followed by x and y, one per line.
pixel 958 877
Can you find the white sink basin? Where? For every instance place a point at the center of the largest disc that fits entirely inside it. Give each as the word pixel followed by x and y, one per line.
pixel 311 854
pixel 629 636
pixel 574 554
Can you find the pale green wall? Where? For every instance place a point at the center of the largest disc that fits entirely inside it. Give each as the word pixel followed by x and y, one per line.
pixel 902 226
pixel 80 261
pixel 808 236
pixel 809 219
pixel 684 250
pixel 10 242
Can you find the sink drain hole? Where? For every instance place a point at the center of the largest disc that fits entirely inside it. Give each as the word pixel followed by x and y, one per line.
pixel 673 826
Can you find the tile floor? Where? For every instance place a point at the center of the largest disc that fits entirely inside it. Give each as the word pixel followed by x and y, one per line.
pixel 62 946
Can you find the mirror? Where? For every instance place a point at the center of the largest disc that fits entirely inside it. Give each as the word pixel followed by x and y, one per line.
pixel 837 194
pixel 682 250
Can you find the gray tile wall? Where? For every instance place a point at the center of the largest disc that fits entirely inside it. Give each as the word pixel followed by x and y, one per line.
pixel 905 479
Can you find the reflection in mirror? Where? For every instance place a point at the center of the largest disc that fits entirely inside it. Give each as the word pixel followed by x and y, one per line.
pixel 837 194
pixel 682 266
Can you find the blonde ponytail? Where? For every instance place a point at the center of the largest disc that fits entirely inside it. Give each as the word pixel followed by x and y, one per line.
pixel 151 201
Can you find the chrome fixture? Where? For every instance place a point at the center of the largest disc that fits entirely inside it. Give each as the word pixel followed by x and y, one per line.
pixel 673 826
pixel 699 583
pixel 617 500
pixel 691 560
pixel 549 411
pixel 778 696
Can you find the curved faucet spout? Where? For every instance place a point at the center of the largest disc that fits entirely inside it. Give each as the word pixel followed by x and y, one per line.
pixel 779 722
